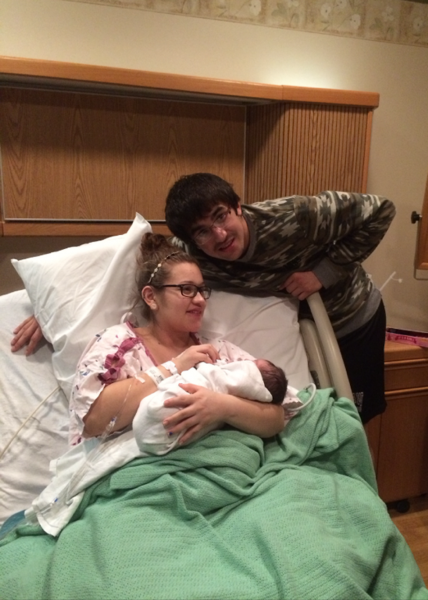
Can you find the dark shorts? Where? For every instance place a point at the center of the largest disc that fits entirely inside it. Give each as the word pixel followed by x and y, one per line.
pixel 363 355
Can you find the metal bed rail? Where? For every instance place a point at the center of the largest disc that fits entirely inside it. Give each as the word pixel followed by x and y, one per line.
pixel 325 359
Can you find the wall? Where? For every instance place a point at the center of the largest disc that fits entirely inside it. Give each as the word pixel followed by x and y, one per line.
pixel 107 35
pixel 400 21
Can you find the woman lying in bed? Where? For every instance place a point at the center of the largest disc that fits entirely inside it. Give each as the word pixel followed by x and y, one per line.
pixel 124 363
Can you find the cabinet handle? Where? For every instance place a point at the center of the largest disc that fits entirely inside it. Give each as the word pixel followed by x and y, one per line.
pixel 415 217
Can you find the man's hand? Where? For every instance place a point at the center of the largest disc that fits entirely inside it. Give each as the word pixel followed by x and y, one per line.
pixel 29 334
pixel 301 285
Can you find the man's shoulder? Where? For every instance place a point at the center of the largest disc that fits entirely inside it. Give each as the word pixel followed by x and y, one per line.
pixel 299 206
pixel 175 241
pixel 288 205
pixel 272 205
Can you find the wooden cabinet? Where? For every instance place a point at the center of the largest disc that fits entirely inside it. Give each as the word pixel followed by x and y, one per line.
pixel 84 145
pixel 85 156
pixel 399 437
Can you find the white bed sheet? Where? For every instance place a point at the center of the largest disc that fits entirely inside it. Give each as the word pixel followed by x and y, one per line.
pixel 24 384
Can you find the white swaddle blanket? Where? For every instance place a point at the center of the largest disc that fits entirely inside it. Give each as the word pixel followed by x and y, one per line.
pixel 90 460
pixel 240 378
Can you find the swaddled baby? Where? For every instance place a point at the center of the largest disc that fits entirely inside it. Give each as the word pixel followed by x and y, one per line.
pixel 257 379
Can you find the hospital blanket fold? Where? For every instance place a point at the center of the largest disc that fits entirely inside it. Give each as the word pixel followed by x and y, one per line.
pixel 228 517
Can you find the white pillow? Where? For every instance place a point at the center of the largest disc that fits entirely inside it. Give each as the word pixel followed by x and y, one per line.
pixel 264 327
pixel 79 291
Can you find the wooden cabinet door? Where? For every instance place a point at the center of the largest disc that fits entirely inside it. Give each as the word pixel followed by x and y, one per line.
pixel 402 469
pixel 402 457
pixel 306 148
pixel 90 157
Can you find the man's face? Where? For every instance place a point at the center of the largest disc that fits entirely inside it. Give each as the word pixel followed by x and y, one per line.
pixel 222 234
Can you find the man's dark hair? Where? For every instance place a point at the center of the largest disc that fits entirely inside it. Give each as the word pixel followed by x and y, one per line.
pixel 192 197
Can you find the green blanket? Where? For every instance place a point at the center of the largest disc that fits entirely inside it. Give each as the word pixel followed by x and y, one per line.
pixel 229 517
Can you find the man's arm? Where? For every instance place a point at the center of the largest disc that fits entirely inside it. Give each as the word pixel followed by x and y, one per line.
pixel 351 225
pixel 29 334
pixel 323 275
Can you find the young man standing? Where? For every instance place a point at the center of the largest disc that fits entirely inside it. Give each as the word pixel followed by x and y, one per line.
pixel 296 245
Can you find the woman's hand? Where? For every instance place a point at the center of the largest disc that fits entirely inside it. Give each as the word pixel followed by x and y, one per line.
pixel 202 410
pixel 29 334
pixel 194 355
pixel 119 401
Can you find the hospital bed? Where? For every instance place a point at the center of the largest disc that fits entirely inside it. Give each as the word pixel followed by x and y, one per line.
pixel 228 517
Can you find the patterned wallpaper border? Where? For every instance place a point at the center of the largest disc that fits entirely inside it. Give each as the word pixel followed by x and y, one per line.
pixel 396 21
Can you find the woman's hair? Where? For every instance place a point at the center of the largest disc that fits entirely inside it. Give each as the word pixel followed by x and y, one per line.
pixel 157 256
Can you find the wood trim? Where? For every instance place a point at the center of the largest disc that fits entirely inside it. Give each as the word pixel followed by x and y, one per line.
pixel 369 125
pixel 421 258
pixel 55 228
pixel 373 432
pixel 406 393
pixel 18 69
pixel 24 68
pixel 396 351
pixel 329 96
pixel 414 362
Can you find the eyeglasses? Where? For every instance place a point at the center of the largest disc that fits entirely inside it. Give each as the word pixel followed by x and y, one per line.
pixel 189 290
pixel 204 234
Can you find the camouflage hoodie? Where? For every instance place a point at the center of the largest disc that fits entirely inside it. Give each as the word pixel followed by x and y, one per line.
pixel 331 234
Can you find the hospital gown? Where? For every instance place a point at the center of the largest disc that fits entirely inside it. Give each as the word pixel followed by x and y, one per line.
pixel 115 354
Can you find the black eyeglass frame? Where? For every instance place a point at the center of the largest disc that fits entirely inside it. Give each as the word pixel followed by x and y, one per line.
pixel 204 290
pixel 207 232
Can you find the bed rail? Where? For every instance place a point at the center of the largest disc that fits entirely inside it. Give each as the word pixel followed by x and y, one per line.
pixel 325 359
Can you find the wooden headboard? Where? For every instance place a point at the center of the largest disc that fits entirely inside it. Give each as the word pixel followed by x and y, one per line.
pixel 83 147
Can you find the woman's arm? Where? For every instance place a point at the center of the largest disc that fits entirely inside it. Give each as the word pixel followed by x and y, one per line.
pixel 204 410
pixel 118 402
